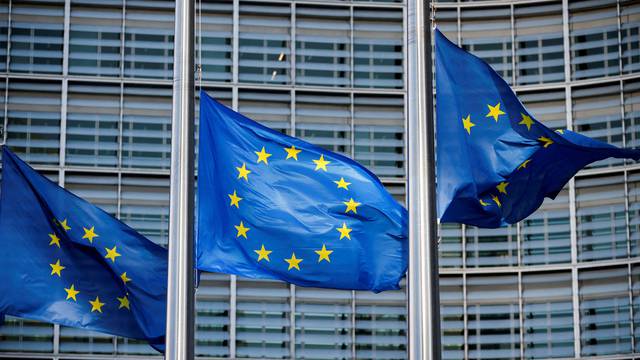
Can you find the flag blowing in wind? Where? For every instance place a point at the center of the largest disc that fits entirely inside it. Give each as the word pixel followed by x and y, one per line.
pixel 65 261
pixel 273 206
pixel 495 162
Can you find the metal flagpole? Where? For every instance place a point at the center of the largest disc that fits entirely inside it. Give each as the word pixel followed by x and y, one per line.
pixel 180 295
pixel 424 304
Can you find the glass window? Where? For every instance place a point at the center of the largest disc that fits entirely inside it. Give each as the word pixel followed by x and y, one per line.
pixel 633 186
pixel 212 315
pixel 605 311
pixel 493 317
pixel 144 205
pixel 596 113
pixel 264 53
pixel 148 40
pixel 635 288
pixel 95 40
pixel 397 190
pixel 379 133
pixel 491 247
pixel 602 230
pixel 222 95
pixel 593 30
pixel 263 319
pixel 630 35
pixel 323 323
pixel 21 335
pixel 93 119
pixel 548 107
pixel 146 127
pixel 4 33
pixel 448 23
pixel 270 108
pixel 325 120
pixel 486 32
pixel 632 113
pixel 217 30
pixel 381 324
pixel 450 248
pixel 323 37
pixel 546 234
pixel 37 37
pixel 33 120
pixel 539 39
pixel 452 317
pixel 548 315
pixel 377 48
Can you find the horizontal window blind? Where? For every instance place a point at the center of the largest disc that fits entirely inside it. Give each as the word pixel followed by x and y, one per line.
pixel 216 22
pixel 450 246
pixel 630 35
pixel 144 205
pixel 4 35
pixel 325 120
pixel 212 315
pixel 452 317
pixel 491 247
pixel 270 108
pixel 548 107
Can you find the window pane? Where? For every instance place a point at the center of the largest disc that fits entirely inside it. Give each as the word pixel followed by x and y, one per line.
pixel 487 34
pixel 146 127
pixel 635 286
pixel 448 23
pixel 633 186
pixel 93 117
pixel 4 33
pixel 632 113
pixel 593 28
pixel 548 107
pixel 325 120
pixel 379 134
pixel 323 323
pixel 212 319
pixel 377 43
pixel 548 315
pixel 450 249
pixel 629 31
pixel 33 112
pixel 21 335
pixel 539 49
pixel 452 317
pixel 144 205
pixel 493 317
pixel 491 247
pixel 36 37
pixel 270 108
pixel 601 218
pixel 604 311
pixel 217 28
pixel 323 35
pixel 95 40
pixel 264 55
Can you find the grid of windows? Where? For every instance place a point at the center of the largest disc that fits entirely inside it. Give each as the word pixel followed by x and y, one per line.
pixel 334 74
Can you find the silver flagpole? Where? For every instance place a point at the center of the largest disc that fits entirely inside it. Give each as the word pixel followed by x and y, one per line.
pixel 180 297
pixel 424 304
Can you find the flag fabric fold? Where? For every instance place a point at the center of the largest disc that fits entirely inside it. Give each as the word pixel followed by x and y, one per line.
pixel 276 207
pixel 495 162
pixel 65 261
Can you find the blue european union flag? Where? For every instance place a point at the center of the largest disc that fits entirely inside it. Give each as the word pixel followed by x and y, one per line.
pixel 65 261
pixel 495 162
pixel 276 207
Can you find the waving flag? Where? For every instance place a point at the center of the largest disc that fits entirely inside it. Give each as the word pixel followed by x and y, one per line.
pixel 495 162
pixel 276 207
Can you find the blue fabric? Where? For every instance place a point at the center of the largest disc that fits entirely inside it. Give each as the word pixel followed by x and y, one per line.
pixel 44 227
pixel 292 206
pixel 499 168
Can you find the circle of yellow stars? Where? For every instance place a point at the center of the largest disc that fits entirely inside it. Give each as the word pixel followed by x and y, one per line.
pixel 90 234
pixel 242 230
pixel 495 112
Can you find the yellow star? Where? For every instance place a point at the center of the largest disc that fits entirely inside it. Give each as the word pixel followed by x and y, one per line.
pixel 483 203
pixel 242 231
pixel 466 122
pixel 89 234
pixel 502 187
pixel 263 254
pixel 124 302
pixel 494 111
pixel 263 156
pixel 96 305
pixel 344 231
pixel 54 240
pixel 243 172
pixel 560 131
pixel 292 152
pixel 524 164
pixel 111 254
pixel 124 277
pixel 57 268
pixel 293 262
pixel 321 163
pixel 71 293
pixel 323 254
pixel 342 184
pixel 235 199
pixel 546 141
pixel 526 120
pixel 64 225
pixel 351 206
pixel 496 200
